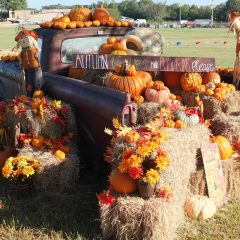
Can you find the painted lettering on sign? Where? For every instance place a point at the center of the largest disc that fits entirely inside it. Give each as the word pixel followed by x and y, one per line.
pixel 147 63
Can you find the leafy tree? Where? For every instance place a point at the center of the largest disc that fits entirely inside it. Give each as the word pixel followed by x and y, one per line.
pixel 220 12
pixel 173 12
pixel 185 11
pixel 193 12
pixel 13 4
pixel 233 5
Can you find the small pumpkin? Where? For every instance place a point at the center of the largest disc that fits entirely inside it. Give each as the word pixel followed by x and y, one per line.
pixel 169 123
pixel 200 88
pixel 119 46
pixel 138 99
pixel 231 87
pixel 158 85
pixel 209 92
pixel 190 80
pixel 220 96
pixel 101 14
pixel 106 48
pixel 124 24
pixel 189 120
pixel 221 85
pixel 64 19
pixel 60 155
pixel 131 136
pixel 211 77
pixel 117 23
pixel 38 141
pixel 110 23
pixel 130 24
pixel 79 24
pixel 199 207
pixel 96 23
pixel 62 25
pixel 122 182
pixel 161 96
pixel 180 124
pixel 225 148
pixel 72 25
pixel 131 70
pixel 210 85
pixel 88 23
pixel 111 40
pixel 80 14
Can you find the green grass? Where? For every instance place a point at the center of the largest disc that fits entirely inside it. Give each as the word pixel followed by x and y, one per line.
pixel 212 44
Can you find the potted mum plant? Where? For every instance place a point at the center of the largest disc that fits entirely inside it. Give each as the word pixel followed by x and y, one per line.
pixel 20 170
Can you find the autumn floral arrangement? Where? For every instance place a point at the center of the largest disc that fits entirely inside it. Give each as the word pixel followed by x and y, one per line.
pixel 20 168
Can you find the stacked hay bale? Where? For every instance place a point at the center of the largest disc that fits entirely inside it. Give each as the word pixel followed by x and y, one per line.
pixel 56 125
pixel 132 217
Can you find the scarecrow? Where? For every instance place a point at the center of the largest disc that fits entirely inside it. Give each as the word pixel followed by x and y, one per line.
pixel 27 40
pixel 234 25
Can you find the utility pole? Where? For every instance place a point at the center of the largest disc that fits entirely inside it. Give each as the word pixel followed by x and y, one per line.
pixel 212 7
pixel 180 14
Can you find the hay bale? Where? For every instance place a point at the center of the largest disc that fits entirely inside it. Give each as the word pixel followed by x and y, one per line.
pixel 131 217
pixel 55 175
pixel 231 172
pixel 227 126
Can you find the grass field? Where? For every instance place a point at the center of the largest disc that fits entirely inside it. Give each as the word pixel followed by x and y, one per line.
pixel 75 215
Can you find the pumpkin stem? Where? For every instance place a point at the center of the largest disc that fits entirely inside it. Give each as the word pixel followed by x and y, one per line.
pixel 124 68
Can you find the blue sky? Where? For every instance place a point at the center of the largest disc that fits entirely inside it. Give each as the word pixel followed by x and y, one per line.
pixel 38 3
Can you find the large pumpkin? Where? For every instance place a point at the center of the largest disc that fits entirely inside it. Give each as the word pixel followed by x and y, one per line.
pixel 77 73
pixel 190 80
pixel 147 78
pixel 172 79
pixel 211 77
pixel 158 96
pixel 133 84
pixel 122 183
pixel 225 148
pixel 106 48
pixel 101 14
pixel 80 14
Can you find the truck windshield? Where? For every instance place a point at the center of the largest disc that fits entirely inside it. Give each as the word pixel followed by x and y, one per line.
pixel 85 45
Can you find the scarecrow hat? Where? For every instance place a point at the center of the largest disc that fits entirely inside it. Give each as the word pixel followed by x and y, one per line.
pixel 26 33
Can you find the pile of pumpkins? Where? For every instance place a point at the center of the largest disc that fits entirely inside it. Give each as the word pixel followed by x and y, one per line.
pixel 80 17
pixel 225 70
pixel 10 56
pixel 209 83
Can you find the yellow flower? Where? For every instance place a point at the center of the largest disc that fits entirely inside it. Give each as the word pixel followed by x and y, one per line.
pixel 6 171
pixel 116 123
pixel 152 177
pixel 22 164
pixel 123 166
pixel 135 161
pixel 28 171
pixel 161 162
pixel 17 173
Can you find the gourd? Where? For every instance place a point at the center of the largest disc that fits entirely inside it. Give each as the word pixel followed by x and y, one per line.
pixel 169 123
pixel 190 80
pixel 199 207
pixel 180 124
pixel 79 24
pixel 122 183
pixel 200 88
pixel 211 77
pixel 138 99
pixel 96 23
pixel 118 52
pixel 189 120
pixel 172 79
pixel 101 14
pixel 80 14
pixel 132 42
pixel 133 84
pixel 225 148
pixel 88 23
pixel 71 25
pixel 158 96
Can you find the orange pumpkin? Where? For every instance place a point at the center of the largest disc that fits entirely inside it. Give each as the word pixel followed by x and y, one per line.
pixel 111 40
pixel 124 24
pixel 131 70
pixel 38 141
pixel 209 92
pixel 158 85
pixel 190 80
pixel 101 14
pixel 220 95
pixel 110 23
pixel 64 19
pixel 147 78
pixel 130 24
pixel 62 25
pixel 87 23
pixel 225 148
pixel 180 124
pixel 96 23
pixel 79 24
pixel 122 183
pixel 169 123
pixel 119 46
pixel 138 99
pixel 77 73
pixel 80 14
pixel 211 77
pixel 122 82
pixel 72 25
pixel 221 85
pixel 117 24
pixel 172 79
pixel 106 48
pixel 60 155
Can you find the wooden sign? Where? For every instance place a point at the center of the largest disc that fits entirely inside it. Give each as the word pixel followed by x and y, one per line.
pixel 147 63
pixel 214 173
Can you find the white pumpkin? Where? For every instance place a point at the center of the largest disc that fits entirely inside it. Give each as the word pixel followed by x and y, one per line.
pixel 200 207
pixel 211 85
pixel 189 120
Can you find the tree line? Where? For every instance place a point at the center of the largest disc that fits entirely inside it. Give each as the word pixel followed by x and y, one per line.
pixel 147 9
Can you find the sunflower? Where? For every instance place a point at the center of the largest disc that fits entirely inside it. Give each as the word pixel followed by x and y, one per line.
pixel 28 171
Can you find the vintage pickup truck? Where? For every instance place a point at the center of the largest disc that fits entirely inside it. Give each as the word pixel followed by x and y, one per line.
pixel 94 105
